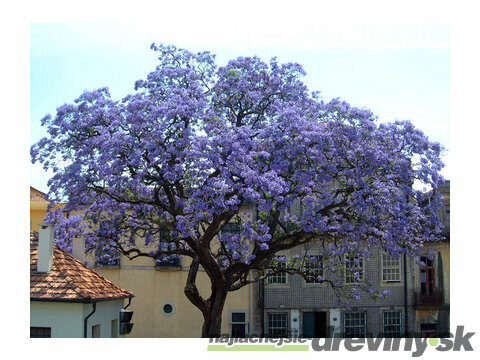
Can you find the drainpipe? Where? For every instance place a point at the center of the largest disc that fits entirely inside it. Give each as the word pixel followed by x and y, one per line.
pixel 85 328
pixel 129 302
pixel 250 310
pixel 405 293
pixel 405 287
pixel 262 306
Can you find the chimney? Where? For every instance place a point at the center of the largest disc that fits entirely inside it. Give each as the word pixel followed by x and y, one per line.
pixel 78 248
pixel 45 248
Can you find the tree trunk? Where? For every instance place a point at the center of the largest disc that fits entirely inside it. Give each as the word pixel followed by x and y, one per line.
pixel 212 307
pixel 212 316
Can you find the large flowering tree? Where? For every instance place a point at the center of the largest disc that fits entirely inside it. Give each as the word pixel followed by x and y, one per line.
pixel 170 165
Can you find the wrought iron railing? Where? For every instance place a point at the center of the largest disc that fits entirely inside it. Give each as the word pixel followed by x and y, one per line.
pixel 172 262
pixel 433 298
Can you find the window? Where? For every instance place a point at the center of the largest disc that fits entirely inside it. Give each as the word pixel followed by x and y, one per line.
pixel 294 210
pixel 231 228
pixel 238 324
pixel 313 269
pixel 427 278
pixel 114 328
pixel 355 324
pixel 171 261
pixel 428 262
pixel 96 331
pixel 428 330
pixel 279 277
pixel 167 261
pixel 107 256
pixel 40 332
pixel 277 325
pixel 392 324
pixel 353 269
pixel 390 269
pixel 168 309
pixel 444 213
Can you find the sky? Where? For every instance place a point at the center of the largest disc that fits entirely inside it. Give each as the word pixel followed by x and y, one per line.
pixel 397 71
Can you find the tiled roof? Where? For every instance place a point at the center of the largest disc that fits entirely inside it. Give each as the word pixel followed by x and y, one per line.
pixel 37 195
pixel 69 280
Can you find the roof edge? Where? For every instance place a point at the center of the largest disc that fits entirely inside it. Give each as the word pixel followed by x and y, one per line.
pixel 86 301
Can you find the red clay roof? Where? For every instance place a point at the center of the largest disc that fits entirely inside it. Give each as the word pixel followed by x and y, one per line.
pixel 37 195
pixel 69 280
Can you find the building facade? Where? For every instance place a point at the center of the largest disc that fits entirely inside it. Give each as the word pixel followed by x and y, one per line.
pixel 296 307
pixel 418 303
pixel 431 293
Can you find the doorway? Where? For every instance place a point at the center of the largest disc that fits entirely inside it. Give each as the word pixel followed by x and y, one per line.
pixel 428 330
pixel 315 324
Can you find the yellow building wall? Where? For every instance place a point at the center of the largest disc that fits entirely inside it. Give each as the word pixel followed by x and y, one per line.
pixel 38 212
pixel 153 288
pixel 426 316
pixel 36 218
pixel 431 314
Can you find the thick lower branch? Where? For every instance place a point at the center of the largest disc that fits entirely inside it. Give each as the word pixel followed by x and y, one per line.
pixel 191 290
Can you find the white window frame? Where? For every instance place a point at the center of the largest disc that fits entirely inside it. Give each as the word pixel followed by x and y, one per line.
pixel 231 322
pixel 296 206
pixel 400 322
pixel 360 313
pixel 282 313
pixel 285 275
pixel 388 269
pixel 315 282
pixel 350 273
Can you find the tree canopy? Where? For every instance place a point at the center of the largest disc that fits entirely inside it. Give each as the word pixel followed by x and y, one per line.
pixel 174 164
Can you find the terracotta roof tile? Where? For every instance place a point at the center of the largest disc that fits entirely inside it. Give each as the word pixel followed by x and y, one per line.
pixel 69 280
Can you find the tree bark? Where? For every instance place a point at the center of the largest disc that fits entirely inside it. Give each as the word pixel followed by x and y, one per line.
pixel 212 316
pixel 212 307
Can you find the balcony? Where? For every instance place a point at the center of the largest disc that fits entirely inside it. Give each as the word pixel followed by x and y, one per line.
pixel 110 263
pixel 173 263
pixel 432 299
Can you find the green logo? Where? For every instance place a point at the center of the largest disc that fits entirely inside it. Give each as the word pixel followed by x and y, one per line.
pixel 433 342
pixel 258 348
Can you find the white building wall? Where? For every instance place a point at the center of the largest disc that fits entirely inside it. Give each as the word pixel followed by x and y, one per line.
pixel 295 322
pixel 106 312
pixel 65 319
pixel 335 324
